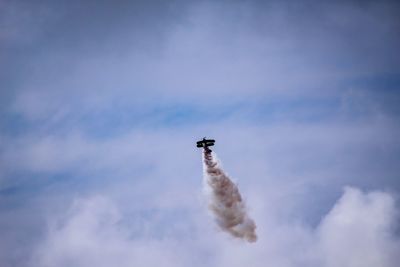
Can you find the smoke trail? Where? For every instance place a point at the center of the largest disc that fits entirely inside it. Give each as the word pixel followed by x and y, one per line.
pixel 226 202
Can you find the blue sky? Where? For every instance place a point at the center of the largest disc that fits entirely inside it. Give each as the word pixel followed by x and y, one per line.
pixel 101 103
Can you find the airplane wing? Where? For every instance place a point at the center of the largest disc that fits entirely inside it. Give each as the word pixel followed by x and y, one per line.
pixel 205 142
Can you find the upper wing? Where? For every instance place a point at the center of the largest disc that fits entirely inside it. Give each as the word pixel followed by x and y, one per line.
pixel 207 142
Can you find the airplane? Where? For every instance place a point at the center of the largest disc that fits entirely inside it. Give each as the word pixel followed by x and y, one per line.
pixel 205 143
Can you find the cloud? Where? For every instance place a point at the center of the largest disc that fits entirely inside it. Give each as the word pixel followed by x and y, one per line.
pixel 357 231
pixel 95 98
pixel 90 234
pixel 244 50
pixel 360 231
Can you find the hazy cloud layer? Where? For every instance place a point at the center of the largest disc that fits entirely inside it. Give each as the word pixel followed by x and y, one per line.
pixel 100 105
pixel 192 51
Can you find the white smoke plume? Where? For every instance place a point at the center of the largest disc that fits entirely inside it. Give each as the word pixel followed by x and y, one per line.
pixel 226 202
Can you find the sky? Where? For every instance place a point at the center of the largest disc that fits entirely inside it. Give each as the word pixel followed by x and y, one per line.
pixel 101 103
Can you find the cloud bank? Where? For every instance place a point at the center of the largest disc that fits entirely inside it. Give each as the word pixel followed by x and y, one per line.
pixel 357 231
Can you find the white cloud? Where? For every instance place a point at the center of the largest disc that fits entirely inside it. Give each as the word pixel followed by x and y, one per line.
pixel 91 235
pixel 358 231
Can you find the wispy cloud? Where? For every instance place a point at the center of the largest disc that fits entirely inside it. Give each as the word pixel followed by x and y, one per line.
pixel 95 98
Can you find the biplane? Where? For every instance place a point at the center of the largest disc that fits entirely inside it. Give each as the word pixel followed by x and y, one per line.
pixel 205 143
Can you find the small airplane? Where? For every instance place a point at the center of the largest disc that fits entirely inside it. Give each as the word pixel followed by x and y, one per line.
pixel 205 143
